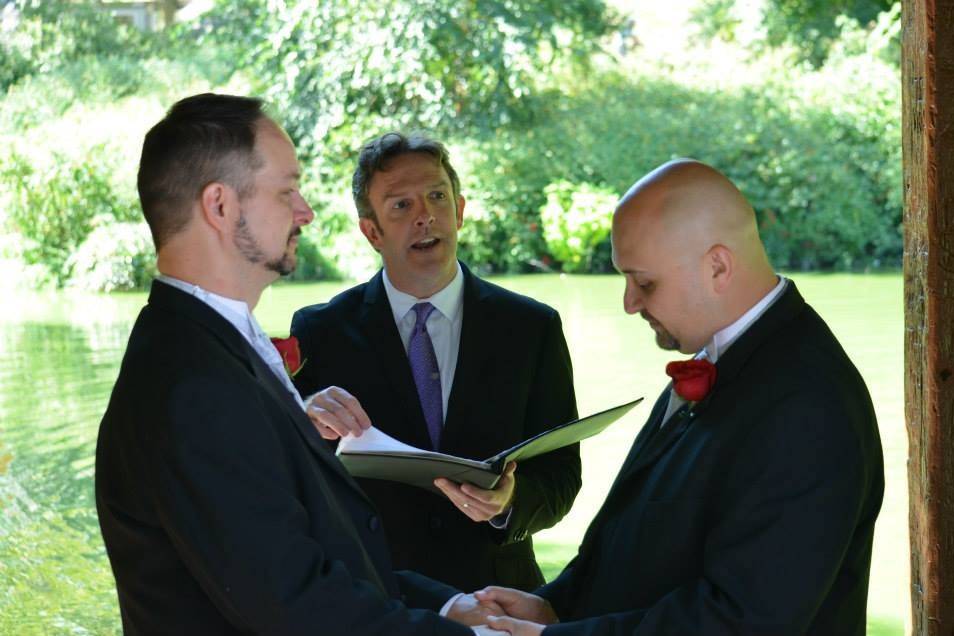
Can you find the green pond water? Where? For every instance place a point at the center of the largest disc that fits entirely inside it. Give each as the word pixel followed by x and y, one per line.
pixel 60 353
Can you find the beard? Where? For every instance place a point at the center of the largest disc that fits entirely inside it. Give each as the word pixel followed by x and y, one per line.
pixel 250 248
pixel 664 340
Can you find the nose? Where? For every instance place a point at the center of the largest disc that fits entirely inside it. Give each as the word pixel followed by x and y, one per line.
pixel 303 212
pixel 632 298
pixel 426 214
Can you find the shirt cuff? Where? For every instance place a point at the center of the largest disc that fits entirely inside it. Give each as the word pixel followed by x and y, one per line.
pixel 501 521
pixel 450 602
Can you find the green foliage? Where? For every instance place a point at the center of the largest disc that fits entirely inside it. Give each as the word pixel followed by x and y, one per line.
pixel 540 139
pixel 115 256
pixel 312 264
pixel 819 158
pixel 55 205
pixel 811 27
pixel 39 36
pixel 577 219
pixel 39 98
pixel 438 64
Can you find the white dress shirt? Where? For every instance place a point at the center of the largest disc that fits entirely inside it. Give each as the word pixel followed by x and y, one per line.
pixel 443 325
pixel 239 316
pixel 723 338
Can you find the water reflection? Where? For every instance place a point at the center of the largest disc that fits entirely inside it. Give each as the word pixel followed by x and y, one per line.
pixel 55 381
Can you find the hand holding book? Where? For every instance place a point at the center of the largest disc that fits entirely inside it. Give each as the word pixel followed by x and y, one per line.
pixel 375 455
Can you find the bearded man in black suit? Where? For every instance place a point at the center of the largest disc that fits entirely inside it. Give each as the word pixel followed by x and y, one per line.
pixel 222 510
pixel 748 501
pixel 440 359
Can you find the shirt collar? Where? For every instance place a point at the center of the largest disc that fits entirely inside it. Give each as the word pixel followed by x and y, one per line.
pixel 725 337
pixel 448 300
pixel 235 311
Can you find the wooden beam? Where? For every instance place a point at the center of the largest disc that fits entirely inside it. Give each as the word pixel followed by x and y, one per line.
pixel 928 114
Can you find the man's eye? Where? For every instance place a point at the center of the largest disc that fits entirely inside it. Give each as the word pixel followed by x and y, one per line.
pixel 400 205
pixel 438 195
pixel 644 286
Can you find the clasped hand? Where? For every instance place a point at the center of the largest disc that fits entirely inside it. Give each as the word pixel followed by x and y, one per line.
pixel 504 609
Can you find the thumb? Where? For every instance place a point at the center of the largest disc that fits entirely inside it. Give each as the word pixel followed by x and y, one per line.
pixel 502 595
pixel 501 623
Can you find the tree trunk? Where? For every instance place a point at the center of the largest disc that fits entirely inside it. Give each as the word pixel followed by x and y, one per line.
pixel 928 114
pixel 169 8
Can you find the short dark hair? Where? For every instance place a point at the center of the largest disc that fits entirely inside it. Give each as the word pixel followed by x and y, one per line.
pixel 380 151
pixel 202 139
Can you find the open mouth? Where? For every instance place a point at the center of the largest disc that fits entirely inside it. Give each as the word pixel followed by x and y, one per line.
pixel 425 244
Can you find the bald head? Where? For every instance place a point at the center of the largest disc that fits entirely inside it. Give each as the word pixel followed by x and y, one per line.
pixel 686 227
pixel 692 206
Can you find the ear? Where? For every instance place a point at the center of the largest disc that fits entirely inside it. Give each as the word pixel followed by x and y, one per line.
pixel 460 211
pixel 720 265
pixel 218 203
pixel 372 232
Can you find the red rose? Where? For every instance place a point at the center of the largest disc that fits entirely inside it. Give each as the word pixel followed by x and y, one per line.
pixel 692 379
pixel 291 354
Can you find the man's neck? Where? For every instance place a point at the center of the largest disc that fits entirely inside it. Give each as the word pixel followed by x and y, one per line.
pixel 220 280
pixel 424 288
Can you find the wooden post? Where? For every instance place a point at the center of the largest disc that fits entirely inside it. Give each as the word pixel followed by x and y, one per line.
pixel 928 114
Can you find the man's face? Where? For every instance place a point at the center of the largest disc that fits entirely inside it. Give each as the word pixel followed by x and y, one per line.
pixel 271 217
pixel 663 285
pixel 417 218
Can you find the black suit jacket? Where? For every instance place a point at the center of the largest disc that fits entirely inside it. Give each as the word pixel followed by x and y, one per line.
pixel 752 513
pixel 513 380
pixel 223 512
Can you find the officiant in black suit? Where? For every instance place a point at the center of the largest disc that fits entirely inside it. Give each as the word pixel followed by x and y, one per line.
pixel 747 503
pixel 222 510
pixel 440 359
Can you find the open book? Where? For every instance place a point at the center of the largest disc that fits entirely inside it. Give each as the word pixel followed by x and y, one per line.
pixel 376 455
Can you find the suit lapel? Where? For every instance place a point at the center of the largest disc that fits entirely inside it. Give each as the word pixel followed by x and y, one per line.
pixel 472 355
pixel 169 298
pixel 291 407
pixel 652 442
pixel 376 320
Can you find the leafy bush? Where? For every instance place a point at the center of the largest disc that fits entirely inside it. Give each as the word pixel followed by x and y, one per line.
pixel 810 28
pixel 438 64
pixel 819 158
pixel 816 151
pixel 40 36
pixel 117 256
pixel 54 206
pixel 577 220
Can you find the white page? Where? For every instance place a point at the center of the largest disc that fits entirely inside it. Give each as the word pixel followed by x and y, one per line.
pixel 374 440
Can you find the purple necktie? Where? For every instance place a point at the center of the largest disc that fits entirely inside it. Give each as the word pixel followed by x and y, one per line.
pixel 427 377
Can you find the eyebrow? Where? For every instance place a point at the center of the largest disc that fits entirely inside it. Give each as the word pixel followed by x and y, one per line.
pixel 437 184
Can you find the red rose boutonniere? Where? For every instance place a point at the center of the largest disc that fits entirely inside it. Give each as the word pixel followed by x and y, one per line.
pixel 291 354
pixel 692 379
